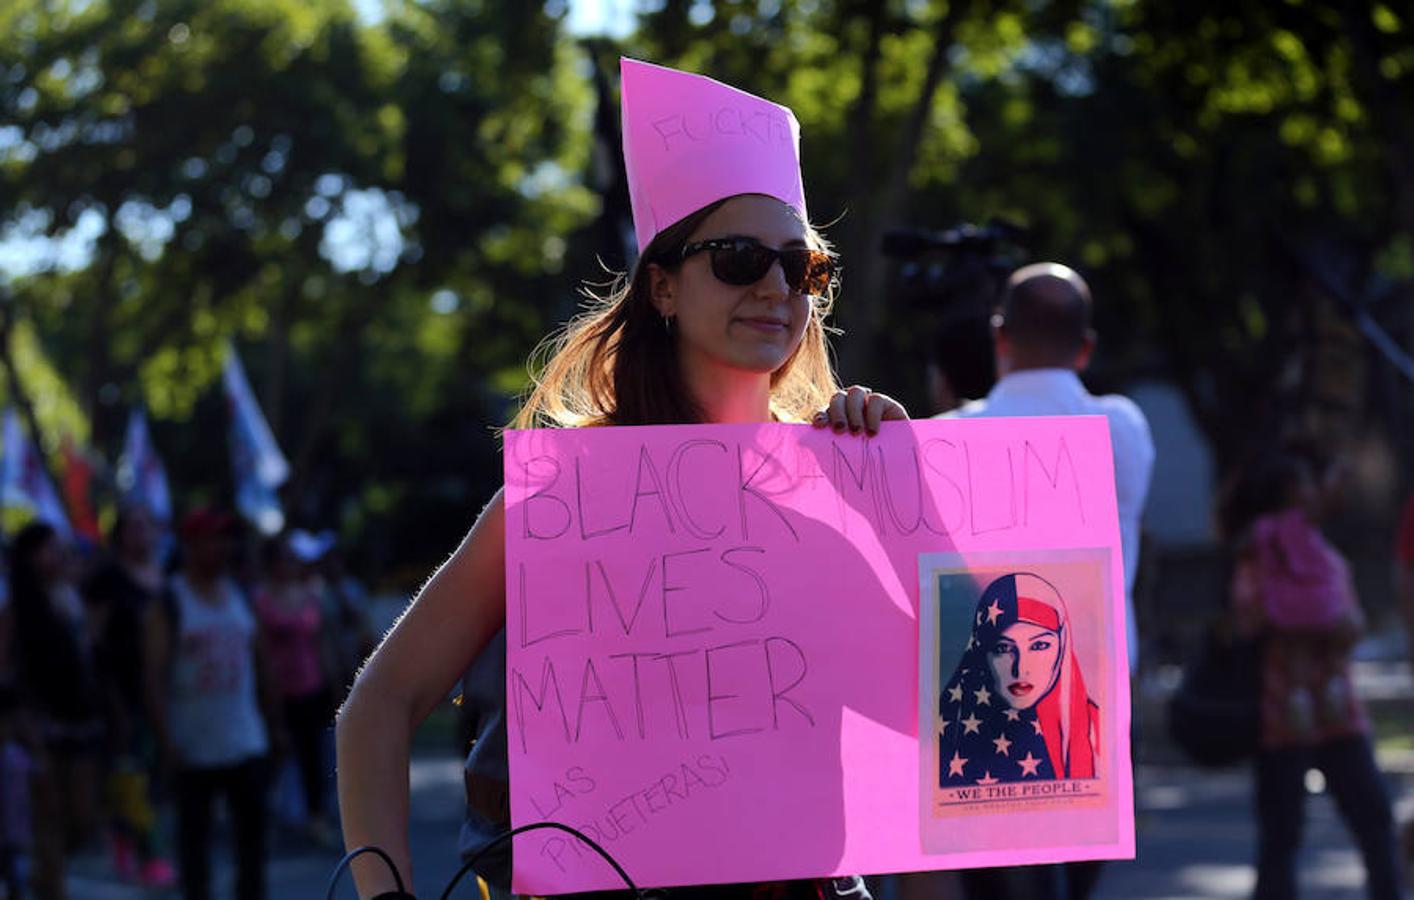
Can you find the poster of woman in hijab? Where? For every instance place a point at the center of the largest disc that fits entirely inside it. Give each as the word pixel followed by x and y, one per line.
pixel 1013 657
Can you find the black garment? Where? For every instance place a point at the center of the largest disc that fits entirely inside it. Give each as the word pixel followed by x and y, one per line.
pixel 1359 793
pixel 243 787
pixel 55 669
pixel 10 873
pixel 1081 878
pixel 1014 883
pixel 306 719
pixel 117 657
pixel 1058 881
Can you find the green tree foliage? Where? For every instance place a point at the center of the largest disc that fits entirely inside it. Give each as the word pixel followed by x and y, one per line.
pixel 1211 166
pixel 387 216
pixel 378 213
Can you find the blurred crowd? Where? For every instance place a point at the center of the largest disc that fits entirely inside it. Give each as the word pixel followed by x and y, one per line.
pixel 143 679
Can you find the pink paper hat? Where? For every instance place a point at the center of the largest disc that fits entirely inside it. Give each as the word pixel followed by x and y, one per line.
pixel 690 141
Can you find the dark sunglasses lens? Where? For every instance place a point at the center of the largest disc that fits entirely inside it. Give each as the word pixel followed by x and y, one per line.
pixel 808 271
pixel 742 264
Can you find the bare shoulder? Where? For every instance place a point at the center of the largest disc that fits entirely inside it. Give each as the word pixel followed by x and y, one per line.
pixel 490 523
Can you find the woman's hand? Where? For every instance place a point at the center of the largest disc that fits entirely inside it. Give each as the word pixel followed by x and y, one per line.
pixel 858 408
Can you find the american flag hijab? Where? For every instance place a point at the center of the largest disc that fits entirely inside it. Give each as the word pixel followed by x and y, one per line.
pixel 991 730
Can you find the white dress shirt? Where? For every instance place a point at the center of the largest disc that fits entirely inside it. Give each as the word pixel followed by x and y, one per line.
pixel 1059 392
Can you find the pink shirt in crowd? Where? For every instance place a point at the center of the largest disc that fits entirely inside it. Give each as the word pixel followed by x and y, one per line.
pixel 1308 694
pixel 1305 581
pixel 292 636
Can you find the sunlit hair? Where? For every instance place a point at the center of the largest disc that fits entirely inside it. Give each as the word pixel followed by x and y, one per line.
pixel 616 363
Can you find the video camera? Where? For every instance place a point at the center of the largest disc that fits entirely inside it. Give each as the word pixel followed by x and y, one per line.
pixel 950 282
pixel 911 243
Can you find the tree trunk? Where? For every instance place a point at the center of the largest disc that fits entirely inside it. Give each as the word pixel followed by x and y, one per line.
pixel 861 225
pixel 277 363
pixel 97 357
pixel 861 117
pixel 866 268
pixel 342 356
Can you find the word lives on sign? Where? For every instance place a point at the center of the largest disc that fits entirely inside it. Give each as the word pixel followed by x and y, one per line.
pixel 759 652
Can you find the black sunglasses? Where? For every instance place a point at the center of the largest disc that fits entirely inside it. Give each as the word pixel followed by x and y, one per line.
pixel 741 261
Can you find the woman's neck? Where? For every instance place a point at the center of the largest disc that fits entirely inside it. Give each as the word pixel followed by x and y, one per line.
pixel 726 395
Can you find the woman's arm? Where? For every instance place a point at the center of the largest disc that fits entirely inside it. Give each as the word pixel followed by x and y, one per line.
pixel 452 618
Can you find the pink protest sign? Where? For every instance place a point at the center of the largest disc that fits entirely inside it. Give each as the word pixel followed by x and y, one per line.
pixel 690 141
pixel 715 634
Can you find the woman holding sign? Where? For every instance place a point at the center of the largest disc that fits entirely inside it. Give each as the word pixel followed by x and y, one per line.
pixel 721 321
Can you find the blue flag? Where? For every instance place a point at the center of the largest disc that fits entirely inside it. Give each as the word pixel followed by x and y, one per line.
pixel 259 466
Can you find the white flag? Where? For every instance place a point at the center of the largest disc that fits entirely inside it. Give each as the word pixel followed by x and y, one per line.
pixel 24 484
pixel 270 465
pixel 141 476
pixel 259 465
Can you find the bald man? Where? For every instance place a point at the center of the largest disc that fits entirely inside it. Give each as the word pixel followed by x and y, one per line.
pixel 1043 340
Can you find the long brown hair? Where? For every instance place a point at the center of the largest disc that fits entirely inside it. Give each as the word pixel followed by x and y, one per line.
pixel 615 363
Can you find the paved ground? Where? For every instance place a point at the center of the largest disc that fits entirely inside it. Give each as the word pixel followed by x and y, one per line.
pixel 1196 836
pixel 300 872
pixel 1195 841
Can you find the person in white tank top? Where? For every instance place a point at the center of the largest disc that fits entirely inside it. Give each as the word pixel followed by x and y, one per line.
pixel 213 707
pixel 213 713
